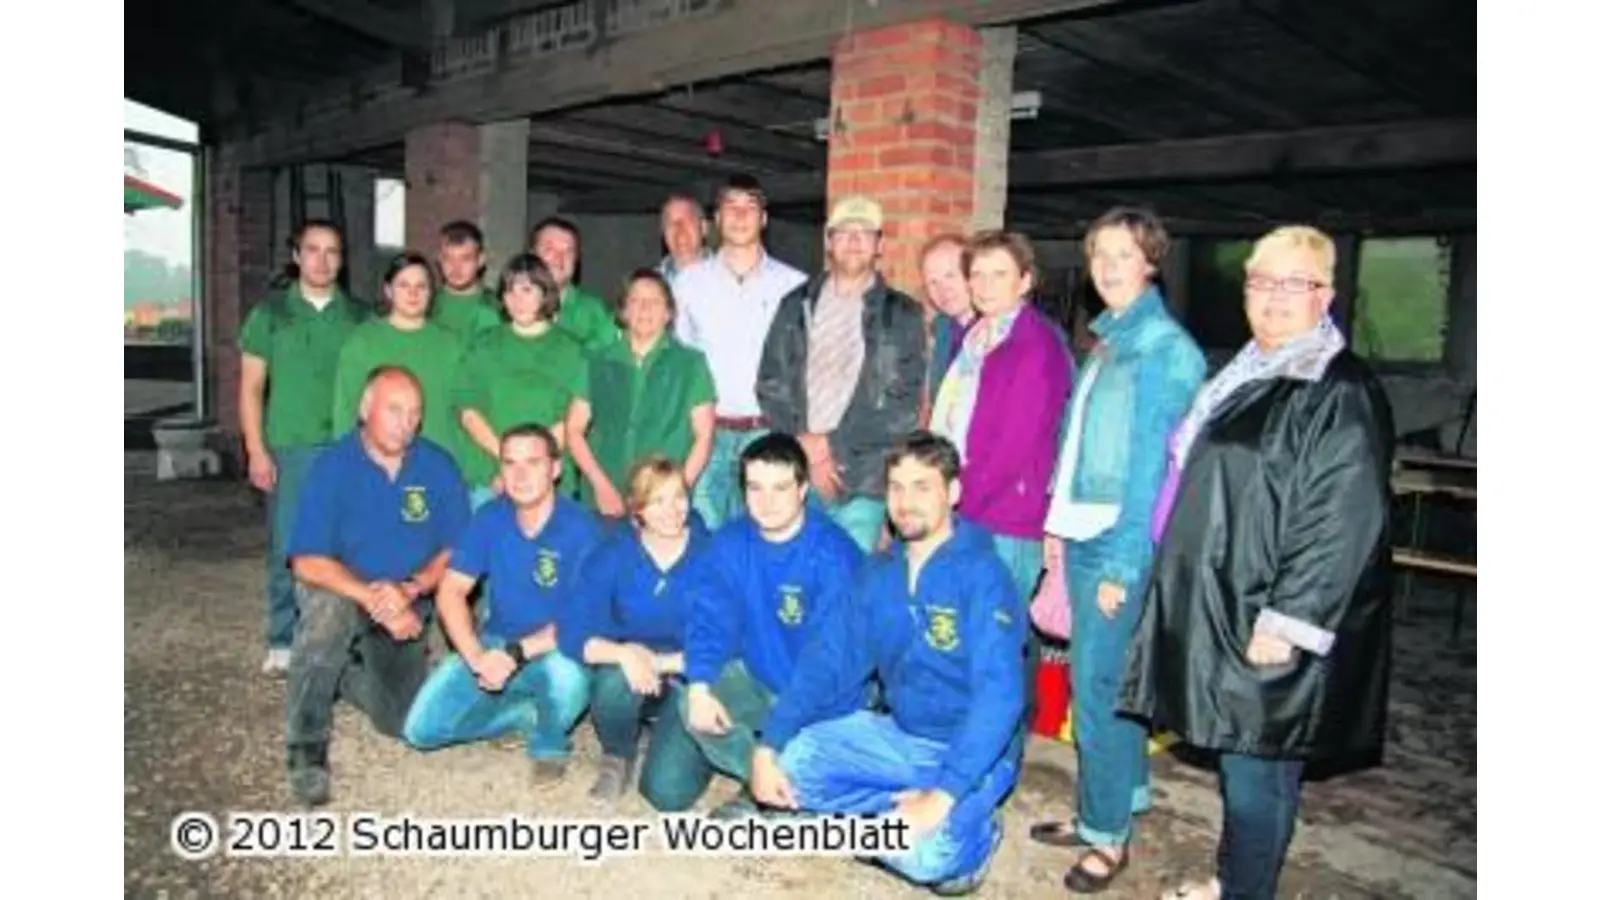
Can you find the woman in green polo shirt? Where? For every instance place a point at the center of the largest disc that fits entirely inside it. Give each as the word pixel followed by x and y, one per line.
pixel 524 372
pixel 403 336
pixel 648 394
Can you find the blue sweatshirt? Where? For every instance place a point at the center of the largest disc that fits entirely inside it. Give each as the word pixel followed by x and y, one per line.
pixel 950 656
pixel 624 596
pixel 768 598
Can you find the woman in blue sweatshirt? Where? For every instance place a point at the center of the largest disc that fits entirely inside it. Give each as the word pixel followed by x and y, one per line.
pixel 628 627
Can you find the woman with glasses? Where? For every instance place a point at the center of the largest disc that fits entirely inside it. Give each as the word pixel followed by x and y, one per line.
pixel 1139 380
pixel 1265 634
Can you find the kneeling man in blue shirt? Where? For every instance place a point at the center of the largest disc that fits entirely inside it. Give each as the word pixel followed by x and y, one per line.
pixel 511 677
pixel 940 622
pixel 379 510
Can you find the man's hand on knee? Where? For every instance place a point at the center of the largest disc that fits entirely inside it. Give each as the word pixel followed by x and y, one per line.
pixel 707 715
pixel 768 783
pixel 923 811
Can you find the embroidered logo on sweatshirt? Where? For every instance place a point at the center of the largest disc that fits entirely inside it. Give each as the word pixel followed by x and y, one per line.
pixel 545 574
pixel 414 505
pixel 791 611
pixel 942 634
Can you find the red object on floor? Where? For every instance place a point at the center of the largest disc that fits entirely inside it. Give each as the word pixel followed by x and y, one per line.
pixel 1054 694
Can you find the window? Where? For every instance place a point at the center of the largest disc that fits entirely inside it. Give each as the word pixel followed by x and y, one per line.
pixel 389 209
pixel 1402 299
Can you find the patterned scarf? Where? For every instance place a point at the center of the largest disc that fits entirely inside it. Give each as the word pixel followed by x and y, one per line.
pixel 1304 358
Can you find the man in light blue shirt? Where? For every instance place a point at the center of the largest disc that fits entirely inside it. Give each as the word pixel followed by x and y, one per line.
pixel 725 306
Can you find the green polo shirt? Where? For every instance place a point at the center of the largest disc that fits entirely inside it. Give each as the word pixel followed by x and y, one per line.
pixel 587 318
pixel 514 380
pixel 301 349
pixel 640 407
pixel 465 314
pixel 431 353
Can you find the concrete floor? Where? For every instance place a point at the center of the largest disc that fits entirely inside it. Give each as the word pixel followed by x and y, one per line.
pixel 203 731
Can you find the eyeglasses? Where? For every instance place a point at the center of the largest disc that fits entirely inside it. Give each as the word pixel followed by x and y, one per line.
pixel 1294 284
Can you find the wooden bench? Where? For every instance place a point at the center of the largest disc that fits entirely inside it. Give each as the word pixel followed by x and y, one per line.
pixel 1419 475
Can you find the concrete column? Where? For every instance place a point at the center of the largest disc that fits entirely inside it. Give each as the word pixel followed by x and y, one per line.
pixel 904 132
pixel 996 64
pixel 503 191
pixel 1346 282
pixel 1461 310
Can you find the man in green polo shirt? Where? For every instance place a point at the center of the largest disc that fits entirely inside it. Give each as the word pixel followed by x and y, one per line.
pixel 648 394
pixel 292 340
pixel 461 304
pixel 583 315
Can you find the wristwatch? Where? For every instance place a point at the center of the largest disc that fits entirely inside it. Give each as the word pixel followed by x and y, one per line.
pixel 514 650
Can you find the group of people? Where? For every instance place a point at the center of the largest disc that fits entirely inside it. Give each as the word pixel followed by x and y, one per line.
pixel 791 526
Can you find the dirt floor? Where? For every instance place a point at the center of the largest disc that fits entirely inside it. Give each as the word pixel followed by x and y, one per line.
pixel 203 730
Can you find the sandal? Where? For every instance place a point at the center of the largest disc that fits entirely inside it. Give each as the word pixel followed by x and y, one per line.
pixel 1195 890
pixel 1057 834
pixel 1082 881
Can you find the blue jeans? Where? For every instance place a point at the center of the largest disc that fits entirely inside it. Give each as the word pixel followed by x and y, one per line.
pixel 674 774
pixel 857 763
pixel 1024 559
pixel 716 495
pixel 1113 753
pixel 748 703
pixel 283 504
pixel 542 701
pixel 861 517
pixel 1260 798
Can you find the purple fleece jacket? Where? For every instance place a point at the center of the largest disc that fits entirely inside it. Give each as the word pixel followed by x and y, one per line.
pixel 1015 434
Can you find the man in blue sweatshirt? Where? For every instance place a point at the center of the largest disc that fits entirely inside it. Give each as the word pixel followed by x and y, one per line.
pixel 949 750
pixel 779 571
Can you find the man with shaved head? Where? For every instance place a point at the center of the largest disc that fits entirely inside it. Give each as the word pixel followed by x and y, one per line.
pixel 377 516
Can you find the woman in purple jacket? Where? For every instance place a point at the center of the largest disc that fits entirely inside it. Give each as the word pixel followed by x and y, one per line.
pixel 1001 404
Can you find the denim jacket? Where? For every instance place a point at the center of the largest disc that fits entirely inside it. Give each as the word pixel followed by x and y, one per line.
pixel 1149 372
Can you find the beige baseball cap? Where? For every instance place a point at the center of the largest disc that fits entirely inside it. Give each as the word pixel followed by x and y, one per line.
pixel 856 209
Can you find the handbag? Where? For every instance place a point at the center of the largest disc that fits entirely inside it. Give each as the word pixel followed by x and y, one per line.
pixel 1050 609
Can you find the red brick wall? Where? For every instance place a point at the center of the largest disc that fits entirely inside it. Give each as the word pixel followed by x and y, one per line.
pixel 905 111
pixel 441 181
pixel 238 271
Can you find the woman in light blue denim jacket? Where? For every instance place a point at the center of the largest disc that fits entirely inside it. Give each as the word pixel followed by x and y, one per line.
pixel 1139 381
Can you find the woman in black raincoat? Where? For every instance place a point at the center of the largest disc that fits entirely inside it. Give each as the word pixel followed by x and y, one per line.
pixel 1265 631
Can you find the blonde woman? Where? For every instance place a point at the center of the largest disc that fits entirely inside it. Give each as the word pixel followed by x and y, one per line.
pixel 628 626
pixel 1265 634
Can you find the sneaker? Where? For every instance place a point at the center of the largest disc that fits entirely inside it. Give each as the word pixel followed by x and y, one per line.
pixel 549 772
pixel 962 885
pixel 615 775
pixel 277 662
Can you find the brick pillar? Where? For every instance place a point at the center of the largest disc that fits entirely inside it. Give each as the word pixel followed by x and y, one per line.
pixel 238 271
pixel 473 172
pixel 904 132
pixel 441 180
